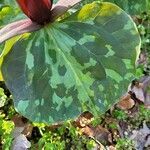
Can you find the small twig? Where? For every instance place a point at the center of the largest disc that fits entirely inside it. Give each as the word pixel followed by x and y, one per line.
pixel 96 141
pixel 120 131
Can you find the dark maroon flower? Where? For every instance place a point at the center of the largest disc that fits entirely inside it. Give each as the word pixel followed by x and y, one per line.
pixel 37 10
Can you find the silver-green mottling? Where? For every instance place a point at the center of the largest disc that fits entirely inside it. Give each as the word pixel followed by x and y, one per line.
pixel 74 65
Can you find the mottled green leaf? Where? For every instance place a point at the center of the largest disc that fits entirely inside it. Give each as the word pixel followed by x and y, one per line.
pixel 84 62
pixel 9 12
pixel 133 6
pixel 8 45
pixel 55 1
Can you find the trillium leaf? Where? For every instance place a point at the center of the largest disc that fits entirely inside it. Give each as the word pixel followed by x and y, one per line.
pixel 7 48
pixel 55 1
pixel 6 11
pixel 84 62
pixel 133 7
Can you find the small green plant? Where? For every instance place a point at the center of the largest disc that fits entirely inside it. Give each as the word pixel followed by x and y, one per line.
pixel 113 126
pixel 120 114
pixel 2 97
pixel 65 137
pixel 97 121
pixel 51 141
pixel 144 114
pixel 5 132
pixel 125 144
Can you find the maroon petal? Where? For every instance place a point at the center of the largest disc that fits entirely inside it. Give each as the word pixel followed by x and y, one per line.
pixel 37 10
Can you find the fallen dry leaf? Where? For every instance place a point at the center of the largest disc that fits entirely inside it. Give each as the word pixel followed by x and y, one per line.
pixel 102 135
pixel 139 137
pixel 88 131
pixel 111 148
pixel 84 119
pixel 99 133
pixel 138 90
pixel 146 89
pixel 126 102
pixel 147 142
pixel 19 121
